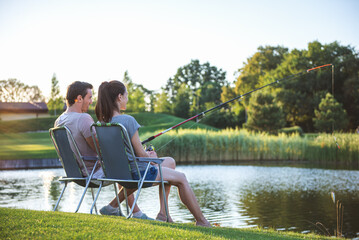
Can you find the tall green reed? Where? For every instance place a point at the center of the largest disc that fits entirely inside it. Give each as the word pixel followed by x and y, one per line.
pixel 205 146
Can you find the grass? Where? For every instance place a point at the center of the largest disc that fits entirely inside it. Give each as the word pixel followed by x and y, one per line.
pixel 26 146
pixel 30 224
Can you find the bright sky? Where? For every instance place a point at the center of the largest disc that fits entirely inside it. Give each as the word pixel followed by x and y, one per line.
pixel 97 41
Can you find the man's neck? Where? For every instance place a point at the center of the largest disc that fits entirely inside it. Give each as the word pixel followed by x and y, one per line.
pixel 74 108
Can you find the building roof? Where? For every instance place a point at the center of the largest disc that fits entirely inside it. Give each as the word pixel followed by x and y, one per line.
pixel 23 107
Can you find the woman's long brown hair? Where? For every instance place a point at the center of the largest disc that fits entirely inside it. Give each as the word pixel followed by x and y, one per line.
pixel 107 99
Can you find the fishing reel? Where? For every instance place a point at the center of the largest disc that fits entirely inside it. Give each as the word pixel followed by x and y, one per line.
pixel 149 148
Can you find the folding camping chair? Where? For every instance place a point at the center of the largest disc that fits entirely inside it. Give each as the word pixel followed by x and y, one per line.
pixel 61 137
pixel 113 141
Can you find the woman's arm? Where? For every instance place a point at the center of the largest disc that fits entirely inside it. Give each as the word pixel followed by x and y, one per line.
pixel 137 147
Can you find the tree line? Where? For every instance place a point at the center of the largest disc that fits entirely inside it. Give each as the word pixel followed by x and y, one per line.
pixel 308 101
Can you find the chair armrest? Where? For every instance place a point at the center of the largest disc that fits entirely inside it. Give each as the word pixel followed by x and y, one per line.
pixel 147 159
pixel 89 158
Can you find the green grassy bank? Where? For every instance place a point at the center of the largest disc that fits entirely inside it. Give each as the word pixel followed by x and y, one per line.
pixel 151 122
pixel 19 139
pixel 29 224
pixel 201 145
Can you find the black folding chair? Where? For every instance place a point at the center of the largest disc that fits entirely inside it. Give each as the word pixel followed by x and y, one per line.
pixel 71 159
pixel 113 142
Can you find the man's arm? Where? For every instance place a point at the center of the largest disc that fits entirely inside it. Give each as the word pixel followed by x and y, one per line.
pixel 91 143
pixel 86 123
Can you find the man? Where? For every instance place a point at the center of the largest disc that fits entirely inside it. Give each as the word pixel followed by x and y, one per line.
pixel 76 118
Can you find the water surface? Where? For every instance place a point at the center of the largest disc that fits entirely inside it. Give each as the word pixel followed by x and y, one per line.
pixel 280 197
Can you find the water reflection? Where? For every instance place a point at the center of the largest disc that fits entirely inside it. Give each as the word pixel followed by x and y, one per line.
pixel 286 198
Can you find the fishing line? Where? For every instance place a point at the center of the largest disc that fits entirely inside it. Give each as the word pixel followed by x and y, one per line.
pixel 335 139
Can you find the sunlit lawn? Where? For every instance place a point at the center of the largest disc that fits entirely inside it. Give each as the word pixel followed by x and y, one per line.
pixel 37 145
pixel 29 224
pixel 26 146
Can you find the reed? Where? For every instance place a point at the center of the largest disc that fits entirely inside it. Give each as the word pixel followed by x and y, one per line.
pixel 205 146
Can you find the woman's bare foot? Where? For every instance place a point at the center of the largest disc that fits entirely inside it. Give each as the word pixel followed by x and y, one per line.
pixel 204 224
pixel 163 218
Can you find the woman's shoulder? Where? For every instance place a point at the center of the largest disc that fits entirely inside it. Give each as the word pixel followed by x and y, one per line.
pixel 127 116
pixel 123 117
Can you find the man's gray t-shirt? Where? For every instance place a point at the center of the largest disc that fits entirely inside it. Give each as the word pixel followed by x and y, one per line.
pixel 79 125
pixel 131 126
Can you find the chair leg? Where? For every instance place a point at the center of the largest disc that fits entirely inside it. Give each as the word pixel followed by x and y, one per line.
pixel 83 195
pixel 134 202
pixel 127 209
pixel 164 193
pixel 118 200
pixel 138 191
pixel 93 198
pixel 58 200
pixel 97 194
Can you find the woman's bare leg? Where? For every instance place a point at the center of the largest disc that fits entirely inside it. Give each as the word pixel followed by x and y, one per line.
pixel 186 194
pixel 167 163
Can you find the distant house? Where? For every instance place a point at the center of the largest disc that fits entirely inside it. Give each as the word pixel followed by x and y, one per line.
pixel 22 110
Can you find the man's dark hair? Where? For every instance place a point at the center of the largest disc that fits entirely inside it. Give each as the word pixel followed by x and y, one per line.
pixel 75 89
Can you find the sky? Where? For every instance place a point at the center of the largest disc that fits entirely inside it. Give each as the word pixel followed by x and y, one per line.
pixel 96 41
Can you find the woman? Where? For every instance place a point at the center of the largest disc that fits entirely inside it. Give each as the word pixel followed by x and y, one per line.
pixel 112 98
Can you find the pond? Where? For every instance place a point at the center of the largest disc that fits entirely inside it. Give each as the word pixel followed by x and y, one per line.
pixel 280 197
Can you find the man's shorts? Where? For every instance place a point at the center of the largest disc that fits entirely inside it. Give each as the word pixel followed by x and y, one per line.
pixel 100 174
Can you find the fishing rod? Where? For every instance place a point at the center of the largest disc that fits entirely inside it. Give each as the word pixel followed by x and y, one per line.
pixel 233 99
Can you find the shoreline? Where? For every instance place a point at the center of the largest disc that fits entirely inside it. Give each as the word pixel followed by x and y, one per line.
pixel 30 164
pixel 24 164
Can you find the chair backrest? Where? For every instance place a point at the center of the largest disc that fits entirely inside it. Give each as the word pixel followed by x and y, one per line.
pixel 114 159
pixel 60 137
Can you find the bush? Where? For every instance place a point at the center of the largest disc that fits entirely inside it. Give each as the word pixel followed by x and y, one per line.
pixel 264 114
pixel 330 115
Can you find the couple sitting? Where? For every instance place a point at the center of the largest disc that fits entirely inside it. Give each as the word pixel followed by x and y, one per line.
pixel 112 98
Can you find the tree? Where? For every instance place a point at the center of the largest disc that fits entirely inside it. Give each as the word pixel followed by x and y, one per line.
pixel 254 70
pixel 161 104
pixel 229 116
pixel 330 115
pixel 264 114
pixel 137 102
pixel 181 105
pixel 128 82
pixel 300 96
pixel 136 96
pixel 56 102
pixel 351 100
pixel 12 90
pixel 203 83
